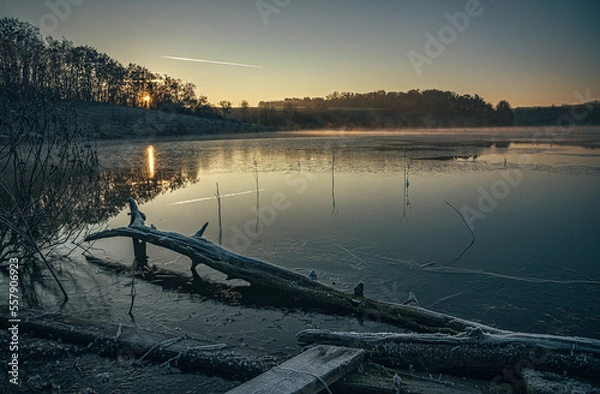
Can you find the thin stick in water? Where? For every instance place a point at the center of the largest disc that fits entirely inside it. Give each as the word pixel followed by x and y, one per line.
pixel 470 231
pixel 255 171
pixel 334 210
pixel 218 194
pixel 133 294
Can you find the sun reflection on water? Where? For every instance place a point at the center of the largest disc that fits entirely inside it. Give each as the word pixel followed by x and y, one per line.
pixel 150 155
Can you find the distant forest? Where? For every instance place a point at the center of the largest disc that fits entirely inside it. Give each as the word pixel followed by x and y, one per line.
pixel 31 62
pixel 413 109
pixel 381 109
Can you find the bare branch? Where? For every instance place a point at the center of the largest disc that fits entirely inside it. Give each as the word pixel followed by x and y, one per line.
pixel 468 227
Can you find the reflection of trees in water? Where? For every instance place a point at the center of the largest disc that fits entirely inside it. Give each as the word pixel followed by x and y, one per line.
pixel 360 155
pixel 105 198
pixel 81 282
pixel 406 205
pixel 334 209
pixel 116 185
pixel 51 186
pixel 178 164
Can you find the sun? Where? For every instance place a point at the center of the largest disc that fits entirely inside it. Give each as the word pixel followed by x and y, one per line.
pixel 146 100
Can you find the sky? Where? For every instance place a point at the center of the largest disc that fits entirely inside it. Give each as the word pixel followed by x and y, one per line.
pixel 528 52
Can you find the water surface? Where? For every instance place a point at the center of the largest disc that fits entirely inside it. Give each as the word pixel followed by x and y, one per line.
pixel 378 207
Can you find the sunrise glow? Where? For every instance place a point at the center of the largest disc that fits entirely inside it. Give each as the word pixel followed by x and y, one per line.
pixel 528 53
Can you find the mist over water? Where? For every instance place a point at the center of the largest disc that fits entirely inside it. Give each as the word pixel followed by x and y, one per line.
pixel 372 208
pixel 392 209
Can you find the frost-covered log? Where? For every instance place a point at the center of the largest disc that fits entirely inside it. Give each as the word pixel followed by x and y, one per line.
pixel 550 383
pixel 189 354
pixel 474 353
pixel 309 294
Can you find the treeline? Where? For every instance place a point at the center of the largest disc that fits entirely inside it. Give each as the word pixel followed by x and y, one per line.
pixel 29 61
pixel 586 114
pixel 428 108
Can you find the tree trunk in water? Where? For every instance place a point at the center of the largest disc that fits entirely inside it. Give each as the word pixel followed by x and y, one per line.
pixel 308 293
pixel 473 354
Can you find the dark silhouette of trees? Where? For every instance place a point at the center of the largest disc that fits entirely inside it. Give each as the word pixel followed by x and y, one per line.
pixel 583 114
pixel 244 106
pixel 29 61
pixel 20 45
pixel 415 108
pixel 504 114
pixel 225 108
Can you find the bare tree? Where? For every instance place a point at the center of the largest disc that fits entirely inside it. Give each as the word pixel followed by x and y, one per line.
pixel 47 181
pixel 244 105
pixel 225 108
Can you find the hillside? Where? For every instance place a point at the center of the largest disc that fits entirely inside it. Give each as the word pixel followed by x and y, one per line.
pixel 108 121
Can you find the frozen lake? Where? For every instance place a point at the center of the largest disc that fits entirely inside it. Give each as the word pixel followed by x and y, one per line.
pixel 397 210
pixel 376 207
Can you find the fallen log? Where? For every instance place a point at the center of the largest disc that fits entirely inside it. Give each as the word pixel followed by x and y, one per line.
pixel 307 293
pixel 377 379
pixel 190 355
pixel 177 281
pixel 474 353
pixel 484 351
pixel 52 337
pixel 547 383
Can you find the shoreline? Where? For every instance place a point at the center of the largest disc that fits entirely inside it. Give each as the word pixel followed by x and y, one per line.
pixel 583 136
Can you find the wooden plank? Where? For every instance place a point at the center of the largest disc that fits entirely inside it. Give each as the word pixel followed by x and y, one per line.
pixel 308 373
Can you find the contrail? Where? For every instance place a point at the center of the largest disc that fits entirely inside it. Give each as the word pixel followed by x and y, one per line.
pixel 187 59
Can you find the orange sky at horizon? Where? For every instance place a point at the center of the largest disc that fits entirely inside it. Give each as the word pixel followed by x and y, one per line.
pixel 530 53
